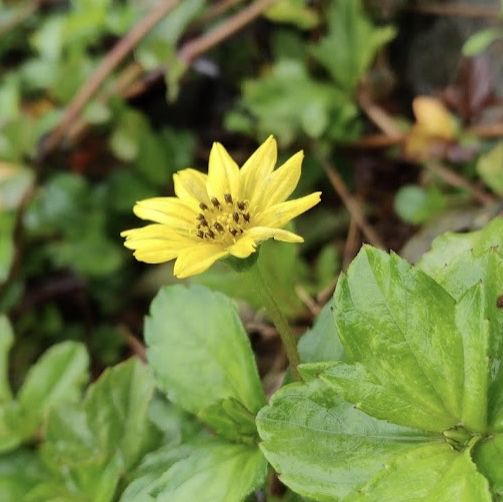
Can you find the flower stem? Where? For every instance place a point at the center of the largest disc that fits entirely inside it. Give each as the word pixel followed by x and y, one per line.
pixel 277 317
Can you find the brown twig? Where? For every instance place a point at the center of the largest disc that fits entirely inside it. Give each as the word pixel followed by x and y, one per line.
pixel 22 15
pixel 193 49
pixel 456 10
pixel 487 131
pixel 306 299
pixel 351 244
pixel 382 119
pixel 134 344
pixel 219 9
pixel 458 181
pixel 351 203
pixel 107 65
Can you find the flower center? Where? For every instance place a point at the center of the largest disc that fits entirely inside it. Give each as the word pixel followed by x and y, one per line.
pixel 222 221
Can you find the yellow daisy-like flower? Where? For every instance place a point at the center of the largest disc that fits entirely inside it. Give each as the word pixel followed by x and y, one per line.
pixel 229 211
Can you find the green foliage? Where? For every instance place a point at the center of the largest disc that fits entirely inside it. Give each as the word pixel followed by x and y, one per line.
pixel 56 378
pixel 351 44
pixel 416 205
pixel 419 388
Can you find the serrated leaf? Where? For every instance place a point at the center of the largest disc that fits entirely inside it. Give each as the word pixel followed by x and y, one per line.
pixel 399 325
pixel 324 448
pixel 57 376
pixel 351 44
pixel 191 328
pixel 92 445
pixel 209 470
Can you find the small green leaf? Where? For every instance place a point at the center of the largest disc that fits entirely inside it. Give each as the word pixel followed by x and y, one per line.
pixel 351 44
pixel 490 168
pixel 7 223
pixel 57 376
pixel 91 445
pixel 480 41
pixel 324 448
pixel 207 470
pixel 416 205
pixel 295 12
pixel 192 328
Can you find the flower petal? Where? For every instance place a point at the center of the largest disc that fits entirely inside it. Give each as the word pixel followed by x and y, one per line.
pixel 155 243
pixel 257 169
pixel 263 233
pixel 223 174
pixel 168 211
pixel 190 186
pixel 278 215
pixel 243 247
pixel 197 259
pixel 282 182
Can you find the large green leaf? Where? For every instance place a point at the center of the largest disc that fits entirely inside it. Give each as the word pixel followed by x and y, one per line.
pixel 208 470
pixel 92 445
pixel 351 44
pixel 325 448
pixel 199 351
pixel 398 326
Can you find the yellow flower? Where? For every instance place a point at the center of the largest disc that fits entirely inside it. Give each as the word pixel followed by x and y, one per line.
pixel 229 211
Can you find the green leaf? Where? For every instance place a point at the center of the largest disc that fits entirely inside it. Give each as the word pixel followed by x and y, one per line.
pixel 6 341
pixel 196 328
pixel 7 224
pixel 56 377
pixel 490 168
pixel 444 475
pixel 295 12
pixel 287 101
pixel 15 182
pixel 93 444
pixel 324 448
pixel 487 455
pixel 20 471
pixel 480 41
pixel 209 469
pixel 399 326
pixel 351 44
pixel 416 205
pixel 321 342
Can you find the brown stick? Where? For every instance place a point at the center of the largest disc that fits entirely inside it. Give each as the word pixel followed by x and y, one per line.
pixel 351 203
pixel 457 10
pixel 458 181
pixel 193 49
pixel 134 343
pixel 351 244
pixel 22 15
pixel 487 130
pixel 385 122
pixel 107 65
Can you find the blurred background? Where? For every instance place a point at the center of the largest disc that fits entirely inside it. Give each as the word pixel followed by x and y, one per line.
pixel 397 105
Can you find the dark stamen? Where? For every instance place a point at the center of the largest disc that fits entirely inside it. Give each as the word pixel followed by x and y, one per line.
pixel 246 216
pixel 203 206
pixel 219 227
pixel 215 202
pixel 200 217
pixel 234 232
pixel 228 198
pixel 241 205
pixel 200 234
pixel 211 234
pixel 204 223
pixel 235 216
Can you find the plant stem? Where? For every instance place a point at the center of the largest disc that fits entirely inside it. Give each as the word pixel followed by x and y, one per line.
pixel 277 317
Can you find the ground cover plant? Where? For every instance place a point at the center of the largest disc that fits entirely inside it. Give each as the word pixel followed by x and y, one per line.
pixel 251 250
